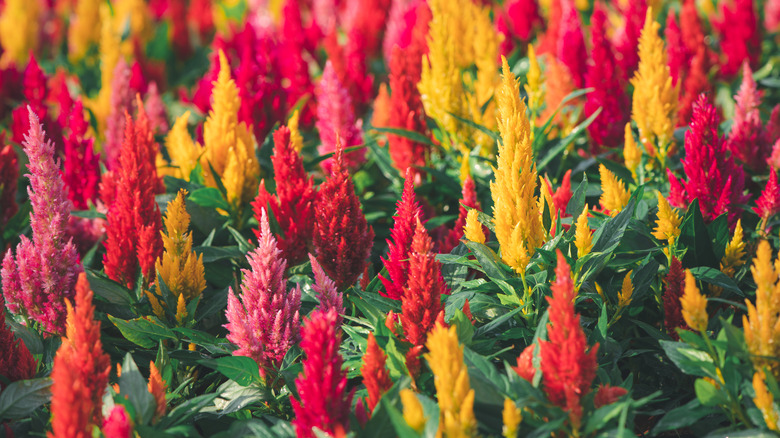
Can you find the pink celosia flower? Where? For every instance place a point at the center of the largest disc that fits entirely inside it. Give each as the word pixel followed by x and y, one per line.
pixel 322 386
pixel 265 322
pixel 121 103
pixel 9 174
pixel 155 109
pixel 768 204
pixel 40 279
pixel 772 16
pixel 118 423
pixel 748 141
pixel 81 168
pixel 712 176
pixel 400 242
pixel 335 118
pixel 740 36
pixel 400 24
pixel 327 291
pixel 350 63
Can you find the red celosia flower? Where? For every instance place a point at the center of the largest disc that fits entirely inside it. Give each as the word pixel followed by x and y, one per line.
pixel 525 364
pixel 675 286
pixel 675 48
pixel 80 372
pixel 292 66
pixel 570 48
pixel 118 423
pixel 201 15
pixel 322 386
pixel 59 96
pixel 421 299
pixel 367 23
pixel 9 174
pixel 293 203
pixel 400 242
pixel 768 203
pixel 376 377
pixel 609 94
pixel 342 237
pixel 712 176
pixel 81 167
pixel 740 36
pixel 562 195
pixel 568 365
pixel 137 82
pixel 157 388
pixel 468 199
pixel 134 221
pixel 35 93
pixel 608 394
pixel 16 362
pixel 406 108
pixel 748 141
pixel 626 39
pixel 350 64
pixel 523 18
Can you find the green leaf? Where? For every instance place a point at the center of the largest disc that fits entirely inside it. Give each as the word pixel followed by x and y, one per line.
pixel 209 197
pixel 243 370
pixel 690 361
pixel 133 386
pixel 682 417
pixel 402 429
pixel 716 277
pixel 216 253
pixel 488 260
pixel 577 201
pixel 565 142
pixel 20 399
pixel 708 394
pixel 695 239
pixel 145 332
pixel 88 214
pixel 108 289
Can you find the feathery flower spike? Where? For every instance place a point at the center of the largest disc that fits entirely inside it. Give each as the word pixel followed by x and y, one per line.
pixel 157 387
pixel 376 377
pixel 694 305
pixel 40 279
pixel 473 228
pixel 675 286
pixel 336 121
pixel 265 322
pixel 512 417
pixel 632 155
pixel 734 256
pixel 762 324
pixel 329 295
pixel 16 362
pixel 740 36
pixel 121 104
pixel 748 140
pixel 9 174
pixel 614 194
pixel 768 204
pixel 765 401
pixel 468 199
pixel 413 410
pixel 20 31
pixel 118 423
pixel 81 166
pixel 583 236
pixel 667 226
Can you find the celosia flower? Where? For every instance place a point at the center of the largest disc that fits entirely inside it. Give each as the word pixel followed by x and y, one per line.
pixel 473 229
pixel 559 84
pixel 733 257
pixel 655 100
pixel 342 237
pixel 481 89
pixel 179 267
pixel 525 367
pixel 765 401
pixel 608 90
pixel 762 330
pixel 293 203
pixel 155 109
pixel 336 120
pixel 523 18
pixel 322 386
pixel 9 174
pixel 583 236
pixel 608 394
pixel 376 377
pixel 413 410
pixel 450 376
pixel 740 36
pixel 614 194
pixel 694 305
pixel 568 365
pixel 675 285
pixel 121 104
pixel 80 372
pixel 632 155
pixel 109 56
pixel 20 30
pixel 134 223
pixel 512 418
pixel 768 204
pixel 183 152
pixel 157 388
pixel 771 15
pixel 328 293
pixel 293 67
pixel 16 362
pixel 401 21
pixel 468 199
pixel 36 92
pixel 83 29
pixel 570 49
pixel 535 80
pixel 118 423
pixel 265 322
pixel 350 63
pixel 296 139
pixel 667 226
pixel 626 291
pixel 421 299
pixel 748 141
pixel 228 145
pixel 713 177
pixel 42 276
pixel 81 167
pixel 626 39
pixel 515 207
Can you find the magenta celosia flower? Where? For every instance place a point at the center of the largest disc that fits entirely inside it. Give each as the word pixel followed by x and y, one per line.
pixel 626 39
pixel 400 242
pixel 155 109
pixel 294 41
pixel 712 176
pixel 400 24
pixel 265 322
pixel 748 141
pixel 335 118
pixel 322 386
pixel 768 204
pixel 121 103
pixel 350 63
pixel 118 423
pixel 740 36
pixel 81 168
pixel 608 93
pixel 327 291
pixel 35 94
pixel 571 44
pixel 43 275
pixel 9 174
pixel 523 18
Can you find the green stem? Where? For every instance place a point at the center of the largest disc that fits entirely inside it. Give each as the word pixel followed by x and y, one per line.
pixel 733 401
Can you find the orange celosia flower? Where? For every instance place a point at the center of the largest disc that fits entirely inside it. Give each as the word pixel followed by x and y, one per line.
pixel 374 372
pixel 157 387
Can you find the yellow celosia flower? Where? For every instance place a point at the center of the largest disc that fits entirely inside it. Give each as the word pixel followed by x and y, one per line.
pixel 413 410
pixel 184 153
pixel 534 82
pixel 134 17
pixel 296 139
pixel 229 145
pixel 84 29
pixel 156 305
pixel 109 56
pixel 455 396
pixel 694 305
pixel 667 226
pixel 762 323
pixel 765 402
pixel 512 419
pixel 614 195
pixel 735 252
pixel 20 27
pixel 473 228
pixel 626 291
pixel 181 310
pixel 515 207
pixel 583 237
pixel 632 155
pixel 179 267
pixel 486 42
pixel 582 5
pixel 654 107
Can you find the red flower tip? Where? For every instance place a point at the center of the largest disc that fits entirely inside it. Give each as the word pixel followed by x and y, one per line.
pixel 608 394
pixel 768 203
pixel 525 364
pixel 376 377
pixel 400 242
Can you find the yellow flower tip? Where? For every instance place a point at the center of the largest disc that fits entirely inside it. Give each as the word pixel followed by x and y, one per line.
pixel 156 306
pixel 413 410
pixel 473 228
pixel 626 291
pixel 512 418
pixel 765 402
pixel 694 305
pixel 583 237
pixel 614 196
pixel 465 168
pixel 667 226
pixel 181 310
pixel 296 139
pixel 632 155
pixel 734 256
